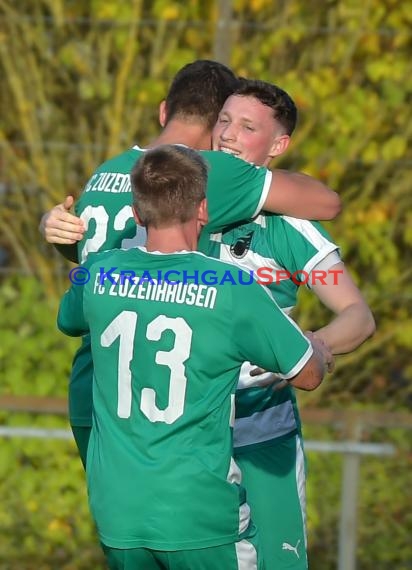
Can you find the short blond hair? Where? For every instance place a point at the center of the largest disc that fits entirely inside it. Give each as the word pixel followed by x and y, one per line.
pixel 168 184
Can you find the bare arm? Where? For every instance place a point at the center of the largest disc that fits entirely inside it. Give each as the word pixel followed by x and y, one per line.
pixel 63 229
pixel 322 361
pixel 301 196
pixel 311 375
pixel 351 326
pixel 353 322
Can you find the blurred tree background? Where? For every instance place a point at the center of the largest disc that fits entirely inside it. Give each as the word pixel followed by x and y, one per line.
pixel 81 81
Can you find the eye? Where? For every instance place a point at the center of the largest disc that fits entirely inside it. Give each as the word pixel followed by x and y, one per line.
pixel 249 128
pixel 223 120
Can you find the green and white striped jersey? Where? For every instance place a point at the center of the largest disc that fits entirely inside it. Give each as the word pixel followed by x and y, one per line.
pixel 280 245
pixel 166 360
pixel 236 191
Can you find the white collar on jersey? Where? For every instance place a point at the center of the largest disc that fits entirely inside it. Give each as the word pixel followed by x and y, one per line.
pixel 182 251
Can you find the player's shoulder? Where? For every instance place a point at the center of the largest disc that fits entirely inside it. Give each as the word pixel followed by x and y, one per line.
pixel 108 257
pixel 123 161
pixel 204 261
pixel 226 272
pixel 298 223
pixel 304 227
pixel 224 160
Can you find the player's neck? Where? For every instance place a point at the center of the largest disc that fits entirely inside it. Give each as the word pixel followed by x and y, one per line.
pixel 193 135
pixel 182 237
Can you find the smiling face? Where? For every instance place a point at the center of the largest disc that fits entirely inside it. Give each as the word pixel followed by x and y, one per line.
pixel 248 129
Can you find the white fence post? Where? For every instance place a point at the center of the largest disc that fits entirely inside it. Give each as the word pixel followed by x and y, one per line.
pixel 352 452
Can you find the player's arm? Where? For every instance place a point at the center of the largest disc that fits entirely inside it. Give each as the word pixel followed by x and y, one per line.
pixel 296 194
pixel 71 319
pixel 63 229
pixel 353 322
pixel 238 191
pixel 308 378
pixel 311 375
pixel 302 245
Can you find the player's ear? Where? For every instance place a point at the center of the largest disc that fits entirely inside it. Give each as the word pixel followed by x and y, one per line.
pixel 137 217
pixel 279 146
pixel 162 113
pixel 202 215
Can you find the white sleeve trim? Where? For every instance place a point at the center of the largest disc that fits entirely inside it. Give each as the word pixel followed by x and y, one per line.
pixel 315 262
pixel 313 236
pixel 299 365
pixel 328 261
pixel 265 192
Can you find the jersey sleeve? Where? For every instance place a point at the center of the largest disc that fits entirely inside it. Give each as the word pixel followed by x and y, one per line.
pixel 71 319
pixel 300 245
pixel 266 336
pixel 236 190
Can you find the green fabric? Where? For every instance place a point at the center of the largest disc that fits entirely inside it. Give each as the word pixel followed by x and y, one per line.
pixel 270 245
pixel 271 475
pixel 225 557
pixel 82 437
pixel 159 459
pixel 236 191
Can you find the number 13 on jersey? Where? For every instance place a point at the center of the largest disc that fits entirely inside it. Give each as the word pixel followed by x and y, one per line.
pixel 124 327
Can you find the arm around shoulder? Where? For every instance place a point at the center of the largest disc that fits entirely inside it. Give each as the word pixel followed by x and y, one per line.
pixel 301 196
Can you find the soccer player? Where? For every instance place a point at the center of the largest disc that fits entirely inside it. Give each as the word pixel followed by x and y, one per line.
pixel 167 349
pixel 236 191
pixel 256 124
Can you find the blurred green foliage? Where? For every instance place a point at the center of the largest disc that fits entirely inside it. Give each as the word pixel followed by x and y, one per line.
pixel 82 81
pixel 44 518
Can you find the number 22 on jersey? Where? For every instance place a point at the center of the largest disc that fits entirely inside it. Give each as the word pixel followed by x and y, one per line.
pixel 103 224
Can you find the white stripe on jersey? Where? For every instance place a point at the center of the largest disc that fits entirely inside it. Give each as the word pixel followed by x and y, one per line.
pixel 261 220
pixel 301 484
pixel 244 517
pixel 265 192
pixel 308 230
pixel 216 237
pixel 235 476
pixel 246 555
pixel 232 411
pixel 315 237
pixel 265 425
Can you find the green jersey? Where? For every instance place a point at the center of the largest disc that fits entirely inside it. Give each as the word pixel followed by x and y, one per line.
pixel 282 252
pixel 236 191
pixel 166 361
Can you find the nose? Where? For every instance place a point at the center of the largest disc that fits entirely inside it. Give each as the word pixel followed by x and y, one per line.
pixel 228 132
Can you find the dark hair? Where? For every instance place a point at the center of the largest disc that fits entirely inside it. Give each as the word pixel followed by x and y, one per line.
pixel 198 91
pixel 282 105
pixel 168 184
